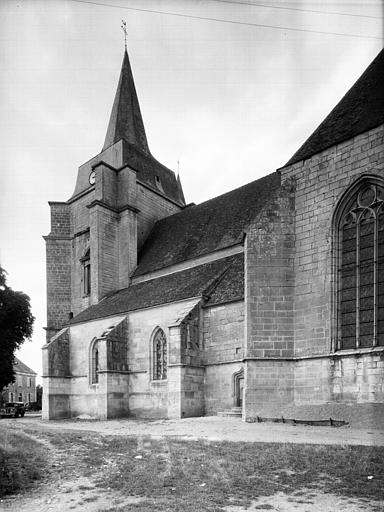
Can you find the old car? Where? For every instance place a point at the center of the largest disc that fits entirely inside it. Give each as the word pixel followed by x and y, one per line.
pixel 13 409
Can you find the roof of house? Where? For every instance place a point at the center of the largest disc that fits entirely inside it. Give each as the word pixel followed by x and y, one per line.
pixel 198 230
pixel 361 109
pixel 206 280
pixel 20 367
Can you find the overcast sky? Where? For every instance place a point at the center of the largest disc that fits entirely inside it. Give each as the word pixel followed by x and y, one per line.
pixel 231 101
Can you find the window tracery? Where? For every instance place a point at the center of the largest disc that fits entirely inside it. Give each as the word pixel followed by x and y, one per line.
pixel 159 356
pixel 360 268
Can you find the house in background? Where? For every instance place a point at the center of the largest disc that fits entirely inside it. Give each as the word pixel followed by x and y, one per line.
pixel 24 387
pixel 269 298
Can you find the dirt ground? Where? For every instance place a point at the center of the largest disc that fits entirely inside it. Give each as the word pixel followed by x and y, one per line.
pixel 217 428
pixel 77 493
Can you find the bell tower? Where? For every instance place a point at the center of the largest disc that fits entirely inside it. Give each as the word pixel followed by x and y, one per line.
pixel 120 193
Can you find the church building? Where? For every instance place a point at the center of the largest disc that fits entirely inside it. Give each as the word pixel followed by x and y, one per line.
pixel 268 299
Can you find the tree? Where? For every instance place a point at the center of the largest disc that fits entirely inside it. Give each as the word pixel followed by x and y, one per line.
pixel 16 323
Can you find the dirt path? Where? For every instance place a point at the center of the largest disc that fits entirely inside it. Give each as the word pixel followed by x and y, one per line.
pixel 218 429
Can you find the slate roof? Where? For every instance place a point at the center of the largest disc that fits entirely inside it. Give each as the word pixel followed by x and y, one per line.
pixel 361 109
pixel 20 367
pixel 148 168
pixel 198 230
pixel 231 285
pixel 126 121
pixel 194 282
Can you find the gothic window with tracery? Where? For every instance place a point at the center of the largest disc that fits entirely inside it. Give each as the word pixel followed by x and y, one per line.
pixel 95 367
pixel 159 356
pixel 360 268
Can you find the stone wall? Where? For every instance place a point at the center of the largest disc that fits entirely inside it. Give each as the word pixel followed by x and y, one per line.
pixel 219 390
pixel 79 299
pixel 269 293
pixel 58 268
pixel 153 398
pixel 56 377
pixel 223 341
pixel 320 183
pixel 153 207
pixel 354 377
pixel 104 244
pixel 223 333
pixel 270 279
pixel 306 373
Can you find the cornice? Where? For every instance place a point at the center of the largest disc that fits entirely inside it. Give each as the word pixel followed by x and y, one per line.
pixel 98 202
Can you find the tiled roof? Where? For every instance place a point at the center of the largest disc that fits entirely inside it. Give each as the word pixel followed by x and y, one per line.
pixel 20 367
pixel 361 109
pixel 197 230
pixel 193 282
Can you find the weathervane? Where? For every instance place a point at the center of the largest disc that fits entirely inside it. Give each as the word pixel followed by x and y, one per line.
pixel 124 27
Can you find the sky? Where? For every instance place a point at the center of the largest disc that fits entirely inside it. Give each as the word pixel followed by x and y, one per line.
pixel 230 100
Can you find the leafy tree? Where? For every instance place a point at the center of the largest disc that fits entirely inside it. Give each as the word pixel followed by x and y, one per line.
pixel 16 323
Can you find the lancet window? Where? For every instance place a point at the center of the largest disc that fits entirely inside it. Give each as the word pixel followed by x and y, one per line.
pixel 95 365
pixel 159 356
pixel 360 268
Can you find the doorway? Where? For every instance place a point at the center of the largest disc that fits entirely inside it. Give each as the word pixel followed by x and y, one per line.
pixel 239 388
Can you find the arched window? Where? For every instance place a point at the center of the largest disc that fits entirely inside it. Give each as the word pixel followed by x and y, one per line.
pixel 360 266
pixel 159 356
pixel 95 367
pixel 86 269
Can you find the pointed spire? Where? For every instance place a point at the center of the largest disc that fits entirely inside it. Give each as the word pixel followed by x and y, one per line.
pixel 126 121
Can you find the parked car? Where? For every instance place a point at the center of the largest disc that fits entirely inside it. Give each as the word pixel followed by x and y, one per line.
pixel 13 409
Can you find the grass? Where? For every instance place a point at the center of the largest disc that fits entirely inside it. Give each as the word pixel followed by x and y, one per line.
pixel 199 475
pixel 173 475
pixel 22 461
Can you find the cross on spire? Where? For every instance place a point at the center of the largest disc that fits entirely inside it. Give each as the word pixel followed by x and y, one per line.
pixel 124 27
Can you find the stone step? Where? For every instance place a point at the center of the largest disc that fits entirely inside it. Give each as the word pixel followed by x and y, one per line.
pixel 231 412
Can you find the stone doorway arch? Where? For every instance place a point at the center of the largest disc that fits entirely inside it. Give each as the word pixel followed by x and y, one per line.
pixel 238 387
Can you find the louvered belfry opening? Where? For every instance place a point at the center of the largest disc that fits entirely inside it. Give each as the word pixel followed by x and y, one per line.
pixel 360 282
